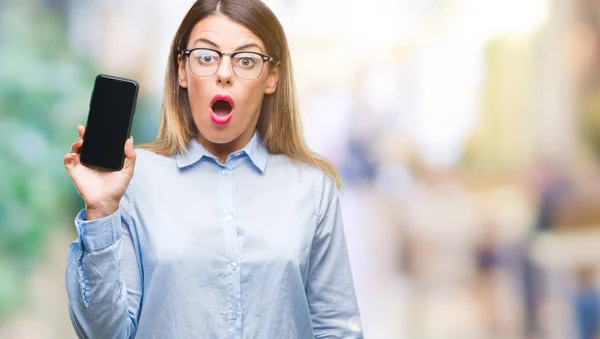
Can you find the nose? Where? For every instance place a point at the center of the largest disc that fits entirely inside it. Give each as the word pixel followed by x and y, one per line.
pixel 224 73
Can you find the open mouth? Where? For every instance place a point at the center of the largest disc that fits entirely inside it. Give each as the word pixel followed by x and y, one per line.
pixel 221 109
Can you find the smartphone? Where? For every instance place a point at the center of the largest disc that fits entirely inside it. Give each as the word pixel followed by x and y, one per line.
pixel 112 106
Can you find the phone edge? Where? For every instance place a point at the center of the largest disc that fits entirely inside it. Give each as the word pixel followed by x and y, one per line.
pixel 129 125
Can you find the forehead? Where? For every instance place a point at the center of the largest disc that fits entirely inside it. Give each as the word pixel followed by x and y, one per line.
pixel 223 31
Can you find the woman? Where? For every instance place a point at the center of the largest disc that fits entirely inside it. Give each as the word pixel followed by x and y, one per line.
pixel 230 227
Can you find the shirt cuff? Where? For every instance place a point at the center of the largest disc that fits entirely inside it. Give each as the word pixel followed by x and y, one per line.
pixel 99 233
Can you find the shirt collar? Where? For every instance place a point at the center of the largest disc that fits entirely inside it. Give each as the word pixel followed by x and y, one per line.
pixel 255 150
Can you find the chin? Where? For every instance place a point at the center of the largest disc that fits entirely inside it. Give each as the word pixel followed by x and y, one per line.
pixel 219 135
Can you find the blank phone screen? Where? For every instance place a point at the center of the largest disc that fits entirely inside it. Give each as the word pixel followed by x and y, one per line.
pixel 109 118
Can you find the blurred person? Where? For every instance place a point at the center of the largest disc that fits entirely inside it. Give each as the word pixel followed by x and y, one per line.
pixel 551 187
pixel 487 265
pixel 230 224
pixel 358 165
pixel 586 305
pixel 554 189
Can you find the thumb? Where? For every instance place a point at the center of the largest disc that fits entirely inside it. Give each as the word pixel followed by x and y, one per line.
pixel 129 149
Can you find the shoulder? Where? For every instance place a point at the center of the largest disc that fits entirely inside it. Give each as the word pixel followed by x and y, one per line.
pixel 296 171
pixel 146 155
pixel 310 177
pixel 150 166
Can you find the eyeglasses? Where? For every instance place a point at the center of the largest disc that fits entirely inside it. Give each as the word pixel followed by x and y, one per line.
pixel 205 62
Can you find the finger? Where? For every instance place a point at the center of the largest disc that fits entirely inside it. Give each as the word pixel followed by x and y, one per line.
pixel 129 150
pixel 70 161
pixel 80 130
pixel 76 146
pixel 129 156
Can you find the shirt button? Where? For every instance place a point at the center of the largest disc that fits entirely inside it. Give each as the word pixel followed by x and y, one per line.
pixel 230 218
pixel 234 316
pixel 225 171
pixel 233 265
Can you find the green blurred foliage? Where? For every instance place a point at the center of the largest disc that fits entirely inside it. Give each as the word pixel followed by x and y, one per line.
pixel 43 85
pixel 45 89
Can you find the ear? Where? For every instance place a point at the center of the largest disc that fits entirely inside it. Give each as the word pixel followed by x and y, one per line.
pixel 272 80
pixel 181 71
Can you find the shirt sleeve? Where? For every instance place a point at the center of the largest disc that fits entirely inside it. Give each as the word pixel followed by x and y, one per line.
pixel 330 288
pixel 104 275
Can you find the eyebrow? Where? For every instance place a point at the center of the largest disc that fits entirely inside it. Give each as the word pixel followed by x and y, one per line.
pixel 215 45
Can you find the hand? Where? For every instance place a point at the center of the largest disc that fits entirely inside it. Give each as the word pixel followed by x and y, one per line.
pixel 101 190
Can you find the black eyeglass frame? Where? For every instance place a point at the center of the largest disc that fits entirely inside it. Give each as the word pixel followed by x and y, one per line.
pixel 265 58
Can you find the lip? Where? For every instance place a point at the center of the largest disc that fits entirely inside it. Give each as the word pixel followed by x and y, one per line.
pixel 221 120
pixel 224 97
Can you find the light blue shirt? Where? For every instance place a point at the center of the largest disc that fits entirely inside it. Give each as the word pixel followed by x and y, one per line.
pixel 254 248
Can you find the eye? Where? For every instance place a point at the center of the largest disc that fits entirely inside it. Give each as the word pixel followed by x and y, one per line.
pixel 246 60
pixel 206 57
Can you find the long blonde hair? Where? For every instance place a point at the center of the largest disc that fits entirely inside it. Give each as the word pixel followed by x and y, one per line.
pixel 279 124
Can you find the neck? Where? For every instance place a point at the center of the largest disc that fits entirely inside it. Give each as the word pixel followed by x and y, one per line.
pixel 222 151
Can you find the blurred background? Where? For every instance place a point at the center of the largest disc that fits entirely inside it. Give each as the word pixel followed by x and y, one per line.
pixel 467 133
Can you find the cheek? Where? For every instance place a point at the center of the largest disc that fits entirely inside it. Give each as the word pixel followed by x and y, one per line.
pixel 253 94
pixel 197 92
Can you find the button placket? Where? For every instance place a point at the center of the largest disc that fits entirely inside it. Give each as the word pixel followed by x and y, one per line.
pixel 228 218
